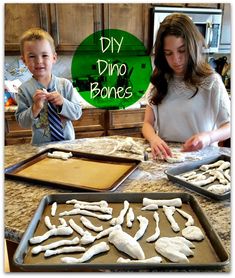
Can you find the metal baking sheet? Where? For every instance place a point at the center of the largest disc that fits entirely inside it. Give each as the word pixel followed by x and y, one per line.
pixel 178 170
pixel 208 254
pixel 81 172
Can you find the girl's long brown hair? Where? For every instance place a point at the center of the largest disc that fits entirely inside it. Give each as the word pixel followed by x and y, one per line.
pixel 179 25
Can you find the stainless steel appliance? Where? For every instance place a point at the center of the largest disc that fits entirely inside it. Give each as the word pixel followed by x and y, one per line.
pixel 208 21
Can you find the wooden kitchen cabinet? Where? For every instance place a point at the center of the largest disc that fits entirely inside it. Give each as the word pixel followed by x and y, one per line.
pixel 72 23
pixel 93 123
pixel 126 122
pixel 132 18
pixel 19 18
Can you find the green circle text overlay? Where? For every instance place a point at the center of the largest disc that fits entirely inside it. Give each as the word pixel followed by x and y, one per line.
pixel 111 70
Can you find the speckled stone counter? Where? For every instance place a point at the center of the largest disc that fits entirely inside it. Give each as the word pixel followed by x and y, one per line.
pixel 21 199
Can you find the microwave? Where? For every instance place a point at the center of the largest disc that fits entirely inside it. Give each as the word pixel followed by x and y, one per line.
pixel 208 21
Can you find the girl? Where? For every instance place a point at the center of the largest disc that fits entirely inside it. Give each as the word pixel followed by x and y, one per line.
pixel 187 100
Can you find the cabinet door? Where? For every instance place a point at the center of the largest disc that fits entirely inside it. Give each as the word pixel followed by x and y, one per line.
pixel 19 18
pixel 72 23
pixel 132 18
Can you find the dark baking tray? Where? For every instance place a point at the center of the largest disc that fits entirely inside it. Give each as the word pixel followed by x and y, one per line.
pixel 209 254
pixel 173 172
pixel 13 171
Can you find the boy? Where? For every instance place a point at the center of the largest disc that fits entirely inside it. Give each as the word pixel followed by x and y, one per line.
pixel 46 103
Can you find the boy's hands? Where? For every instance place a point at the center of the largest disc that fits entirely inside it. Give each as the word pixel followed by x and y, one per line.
pixel 38 101
pixel 55 98
pixel 39 98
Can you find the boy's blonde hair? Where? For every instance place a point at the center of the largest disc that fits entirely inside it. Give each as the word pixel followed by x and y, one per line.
pixel 36 34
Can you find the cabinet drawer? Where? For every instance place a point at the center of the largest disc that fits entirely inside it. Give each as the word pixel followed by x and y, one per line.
pixel 92 119
pixel 126 118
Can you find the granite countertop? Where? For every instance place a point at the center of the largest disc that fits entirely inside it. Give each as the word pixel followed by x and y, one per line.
pixel 21 199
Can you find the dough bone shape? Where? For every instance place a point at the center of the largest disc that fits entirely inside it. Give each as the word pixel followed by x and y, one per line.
pixel 175 249
pixel 41 248
pixel 130 217
pixel 152 260
pixel 91 252
pixel 47 221
pixel 120 219
pixel 101 203
pixel 63 231
pixel 169 212
pixel 219 176
pixel 150 207
pixel 204 182
pixel 69 249
pixel 53 208
pixel 63 222
pixel 102 209
pixel 206 167
pixel 143 226
pixel 219 188
pixel 156 235
pixel 176 202
pixel 86 213
pixel 189 218
pixel 224 166
pixel 87 223
pixel 127 244
pixel 60 155
pixel 76 227
pixel 176 157
pixel 107 231
pixel 193 233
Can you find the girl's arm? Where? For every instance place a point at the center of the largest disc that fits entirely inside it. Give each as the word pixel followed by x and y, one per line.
pixel 158 146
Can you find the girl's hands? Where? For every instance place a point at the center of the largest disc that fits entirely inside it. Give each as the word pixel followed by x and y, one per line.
pixel 197 142
pixel 159 148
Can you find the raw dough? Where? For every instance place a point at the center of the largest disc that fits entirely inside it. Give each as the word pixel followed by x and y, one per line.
pixel 193 233
pixel 175 249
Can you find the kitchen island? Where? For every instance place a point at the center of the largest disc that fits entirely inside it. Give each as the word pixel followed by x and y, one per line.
pixel 21 199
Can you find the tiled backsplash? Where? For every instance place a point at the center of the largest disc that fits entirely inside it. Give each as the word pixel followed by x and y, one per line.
pixel 14 68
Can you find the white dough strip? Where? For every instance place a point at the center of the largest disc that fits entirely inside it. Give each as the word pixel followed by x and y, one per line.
pixel 76 227
pixel 189 218
pixel 153 260
pixel 176 202
pixel 48 223
pixel 53 208
pixel 130 217
pixel 70 249
pixel 205 167
pixel 120 219
pixel 94 250
pixel 150 207
pixel 102 203
pixel 63 231
pixel 224 166
pixel 86 213
pixel 107 231
pixel 143 226
pixel 87 223
pixel 41 248
pixel 204 182
pixel 169 212
pixel 102 209
pixel 156 235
